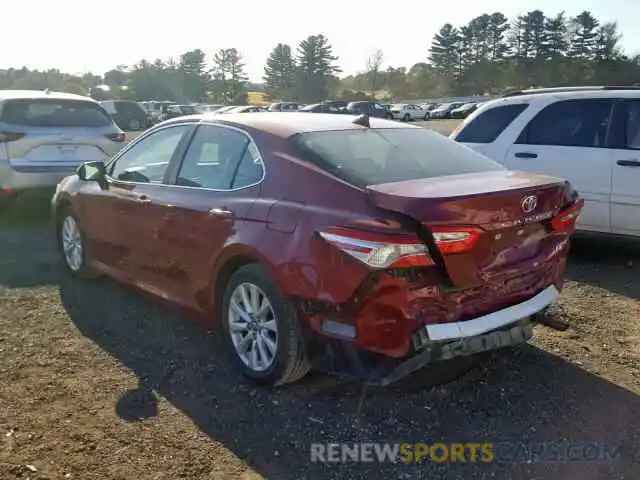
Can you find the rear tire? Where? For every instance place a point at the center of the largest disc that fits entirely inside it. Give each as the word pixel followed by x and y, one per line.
pixel 262 329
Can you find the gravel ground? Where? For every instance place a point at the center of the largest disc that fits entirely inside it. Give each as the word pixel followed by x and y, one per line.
pixel 98 382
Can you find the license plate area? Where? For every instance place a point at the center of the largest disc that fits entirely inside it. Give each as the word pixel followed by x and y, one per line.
pixel 519 333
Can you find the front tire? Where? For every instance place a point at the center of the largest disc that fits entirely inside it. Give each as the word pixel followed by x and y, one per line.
pixel 72 246
pixel 262 329
pixel 406 118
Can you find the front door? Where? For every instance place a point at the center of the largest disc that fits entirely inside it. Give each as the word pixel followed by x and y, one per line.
pixel 124 216
pixel 214 189
pixel 625 191
pixel 568 139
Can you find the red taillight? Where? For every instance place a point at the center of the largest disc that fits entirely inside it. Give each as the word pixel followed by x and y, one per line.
pixel 378 250
pixel 566 219
pixel 117 137
pixel 455 239
pixel 6 137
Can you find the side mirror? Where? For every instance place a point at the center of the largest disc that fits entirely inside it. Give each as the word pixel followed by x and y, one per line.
pixel 92 171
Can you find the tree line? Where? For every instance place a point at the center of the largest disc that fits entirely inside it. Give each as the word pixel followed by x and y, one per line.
pixel 488 55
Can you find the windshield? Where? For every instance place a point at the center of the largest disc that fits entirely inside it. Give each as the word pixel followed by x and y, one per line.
pixel 444 106
pixel 374 156
pixel 54 113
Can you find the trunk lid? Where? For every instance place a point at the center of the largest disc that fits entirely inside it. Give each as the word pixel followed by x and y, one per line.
pixel 509 208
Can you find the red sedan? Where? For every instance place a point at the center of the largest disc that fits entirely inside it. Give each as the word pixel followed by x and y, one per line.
pixel 349 244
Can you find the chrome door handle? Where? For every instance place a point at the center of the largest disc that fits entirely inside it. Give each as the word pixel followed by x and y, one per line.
pixel 221 212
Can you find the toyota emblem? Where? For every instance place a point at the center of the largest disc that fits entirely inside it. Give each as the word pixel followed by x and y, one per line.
pixel 529 203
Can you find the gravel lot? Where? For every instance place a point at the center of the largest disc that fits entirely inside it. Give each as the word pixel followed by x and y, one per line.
pixel 98 382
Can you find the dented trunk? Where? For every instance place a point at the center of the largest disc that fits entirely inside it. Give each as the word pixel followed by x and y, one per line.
pixel 508 211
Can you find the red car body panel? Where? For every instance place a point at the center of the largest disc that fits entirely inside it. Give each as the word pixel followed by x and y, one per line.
pixel 180 244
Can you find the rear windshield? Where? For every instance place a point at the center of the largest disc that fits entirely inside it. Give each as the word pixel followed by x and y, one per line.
pixel 374 156
pixel 54 113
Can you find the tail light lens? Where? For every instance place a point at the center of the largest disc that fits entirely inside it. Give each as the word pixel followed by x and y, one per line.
pixel 455 239
pixel 380 251
pixel 6 137
pixel 117 137
pixel 566 219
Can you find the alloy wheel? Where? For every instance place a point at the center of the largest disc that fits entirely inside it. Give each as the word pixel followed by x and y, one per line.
pixel 72 247
pixel 253 327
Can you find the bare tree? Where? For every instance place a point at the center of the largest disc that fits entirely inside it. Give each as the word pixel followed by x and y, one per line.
pixel 374 62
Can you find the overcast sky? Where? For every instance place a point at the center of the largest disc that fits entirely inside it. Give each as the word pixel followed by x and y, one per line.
pixel 77 36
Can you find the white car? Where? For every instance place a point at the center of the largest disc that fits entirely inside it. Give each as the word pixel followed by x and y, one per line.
pixel 590 136
pixel 45 135
pixel 408 112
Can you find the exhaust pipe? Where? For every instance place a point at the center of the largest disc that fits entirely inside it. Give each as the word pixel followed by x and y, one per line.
pixel 543 317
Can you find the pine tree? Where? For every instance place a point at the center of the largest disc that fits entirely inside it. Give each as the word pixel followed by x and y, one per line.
pixel 316 65
pixel 229 79
pixel 280 72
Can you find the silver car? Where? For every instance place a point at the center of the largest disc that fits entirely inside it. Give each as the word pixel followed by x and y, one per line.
pixel 45 135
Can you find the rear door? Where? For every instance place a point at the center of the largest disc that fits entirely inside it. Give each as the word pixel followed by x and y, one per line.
pixel 625 190
pixel 568 139
pixel 58 134
pixel 205 208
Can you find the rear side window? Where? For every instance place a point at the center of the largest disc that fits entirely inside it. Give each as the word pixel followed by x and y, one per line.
pixel 213 157
pixel 487 126
pixel 54 113
pixel 374 156
pixel 571 123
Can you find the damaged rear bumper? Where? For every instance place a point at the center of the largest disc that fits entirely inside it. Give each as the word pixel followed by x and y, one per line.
pixel 439 342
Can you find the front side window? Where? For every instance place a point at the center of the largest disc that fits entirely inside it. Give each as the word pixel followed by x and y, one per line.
pixel 147 161
pixel 219 158
pixel 374 156
pixel 627 133
pixel 570 123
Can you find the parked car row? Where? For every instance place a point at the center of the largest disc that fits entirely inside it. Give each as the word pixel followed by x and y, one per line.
pixel 136 116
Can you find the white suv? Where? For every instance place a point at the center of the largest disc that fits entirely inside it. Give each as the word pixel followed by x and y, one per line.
pixel 45 135
pixel 588 135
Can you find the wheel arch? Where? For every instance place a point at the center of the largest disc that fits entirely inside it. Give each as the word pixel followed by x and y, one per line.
pixel 233 258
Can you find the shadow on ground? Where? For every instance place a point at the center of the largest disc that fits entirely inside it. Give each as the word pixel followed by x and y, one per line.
pixel 521 396
pixel 609 263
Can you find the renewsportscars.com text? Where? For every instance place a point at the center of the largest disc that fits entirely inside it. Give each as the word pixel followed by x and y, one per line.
pixel 470 452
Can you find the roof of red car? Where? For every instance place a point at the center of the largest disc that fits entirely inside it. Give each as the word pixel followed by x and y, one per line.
pixel 285 124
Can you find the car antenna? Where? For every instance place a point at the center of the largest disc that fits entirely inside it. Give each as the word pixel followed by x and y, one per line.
pixel 363 120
